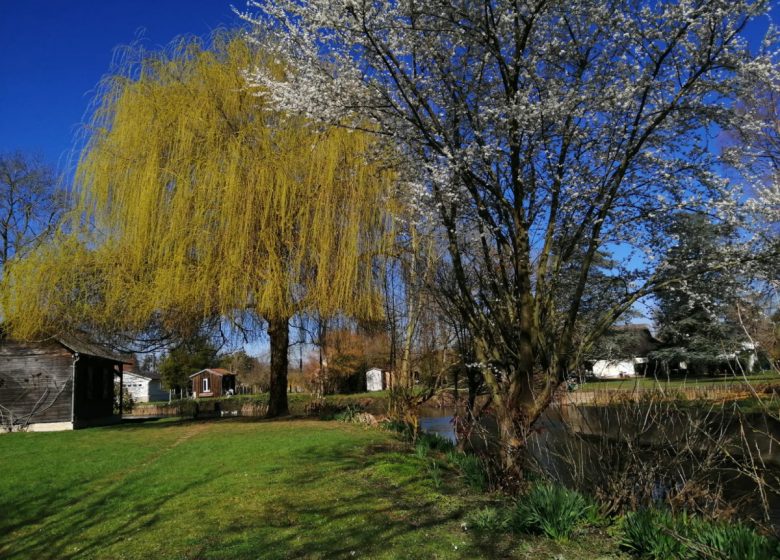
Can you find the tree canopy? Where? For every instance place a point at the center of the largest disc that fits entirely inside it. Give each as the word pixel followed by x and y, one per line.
pixel 544 133
pixel 202 201
pixel 195 199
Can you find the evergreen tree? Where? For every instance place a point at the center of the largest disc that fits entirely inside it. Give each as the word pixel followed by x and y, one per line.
pixel 693 312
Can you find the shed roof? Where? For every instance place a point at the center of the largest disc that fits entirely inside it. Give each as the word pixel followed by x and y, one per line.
pixel 216 371
pixel 78 343
pixel 152 376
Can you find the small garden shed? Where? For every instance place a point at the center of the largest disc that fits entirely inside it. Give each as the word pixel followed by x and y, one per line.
pixel 374 380
pixel 213 382
pixel 57 384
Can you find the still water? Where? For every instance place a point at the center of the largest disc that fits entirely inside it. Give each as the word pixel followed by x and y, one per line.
pixel 585 432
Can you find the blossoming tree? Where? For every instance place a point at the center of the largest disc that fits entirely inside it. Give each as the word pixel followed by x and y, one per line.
pixel 544 133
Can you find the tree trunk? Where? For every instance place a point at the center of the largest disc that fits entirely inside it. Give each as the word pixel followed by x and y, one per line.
pixel 278 332
pixel 512 440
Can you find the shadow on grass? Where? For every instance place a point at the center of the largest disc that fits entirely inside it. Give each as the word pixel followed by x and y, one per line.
pixel 322 500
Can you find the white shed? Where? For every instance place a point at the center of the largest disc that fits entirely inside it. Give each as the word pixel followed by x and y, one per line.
pixel 144 387
pixel 374 379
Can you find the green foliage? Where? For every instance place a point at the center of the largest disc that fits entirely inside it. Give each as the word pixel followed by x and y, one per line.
pixel 435 442
pixel 421 449
pixel 552 510
pixel 488 520
pixel 405 429
pixel 348 414
pixel 650 533
pixel 435 473
pixel 734 542
pixel 659 535
pixel 191 356
pixel 471 468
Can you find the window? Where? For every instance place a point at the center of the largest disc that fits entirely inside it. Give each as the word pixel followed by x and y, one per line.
pixel 206 385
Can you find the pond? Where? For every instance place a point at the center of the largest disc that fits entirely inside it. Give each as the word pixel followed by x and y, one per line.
pixel 588 446
pixel 439 421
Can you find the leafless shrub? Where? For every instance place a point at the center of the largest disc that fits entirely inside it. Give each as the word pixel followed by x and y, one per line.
pixel 708 458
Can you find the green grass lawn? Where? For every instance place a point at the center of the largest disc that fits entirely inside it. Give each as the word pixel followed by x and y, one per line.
pixel 241 489
pixel 631 383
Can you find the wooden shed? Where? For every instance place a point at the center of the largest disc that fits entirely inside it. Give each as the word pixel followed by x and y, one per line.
pixel 213 382
pixel 57 384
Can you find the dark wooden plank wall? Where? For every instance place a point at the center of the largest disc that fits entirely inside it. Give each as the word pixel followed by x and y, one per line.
pixel 215 384
pixel 36 373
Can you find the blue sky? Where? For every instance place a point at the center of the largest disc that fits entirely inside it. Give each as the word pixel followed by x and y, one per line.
pixel 54 52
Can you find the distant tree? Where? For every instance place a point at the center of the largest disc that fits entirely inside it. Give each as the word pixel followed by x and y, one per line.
pixel 693 313
pixel 30 204
pixel 190 356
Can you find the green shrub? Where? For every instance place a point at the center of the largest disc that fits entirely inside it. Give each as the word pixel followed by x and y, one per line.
pixel 652 533
pixel 471 468
pixel 552 510
pixel 405 429
pixel 488 520
pixel 658 535
pixel 732 542
pixel 347 414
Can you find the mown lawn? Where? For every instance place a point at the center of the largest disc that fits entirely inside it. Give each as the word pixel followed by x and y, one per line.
pixel 241 489
pixel 632 383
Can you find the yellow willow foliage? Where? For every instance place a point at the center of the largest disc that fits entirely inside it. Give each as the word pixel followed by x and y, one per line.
pixel 200 200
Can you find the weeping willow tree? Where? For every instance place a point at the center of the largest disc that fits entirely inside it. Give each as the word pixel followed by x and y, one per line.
pixel 196 200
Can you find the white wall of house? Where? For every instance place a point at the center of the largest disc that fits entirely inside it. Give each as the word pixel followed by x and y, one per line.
pixel 613 369
pixel 374 379
pixel 142 388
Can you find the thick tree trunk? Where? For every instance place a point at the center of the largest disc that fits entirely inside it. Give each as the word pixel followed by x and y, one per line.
pixel 512 439
pixel 279 333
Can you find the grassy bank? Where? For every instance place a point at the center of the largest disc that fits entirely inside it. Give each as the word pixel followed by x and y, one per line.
pixel 232 489
pixel 635 383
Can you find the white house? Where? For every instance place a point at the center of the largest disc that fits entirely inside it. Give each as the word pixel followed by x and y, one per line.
pixel 624 351
pixel 612 369
pixel 374 379
pixel 144 387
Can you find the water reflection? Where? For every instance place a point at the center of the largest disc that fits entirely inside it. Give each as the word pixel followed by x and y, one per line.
pixel 584 446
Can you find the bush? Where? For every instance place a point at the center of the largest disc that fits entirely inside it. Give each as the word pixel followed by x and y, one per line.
pixel 488 520
pixel 552 510
pixel 657 534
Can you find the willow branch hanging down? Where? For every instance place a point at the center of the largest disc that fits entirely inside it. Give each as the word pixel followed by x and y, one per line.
pixel 195 199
